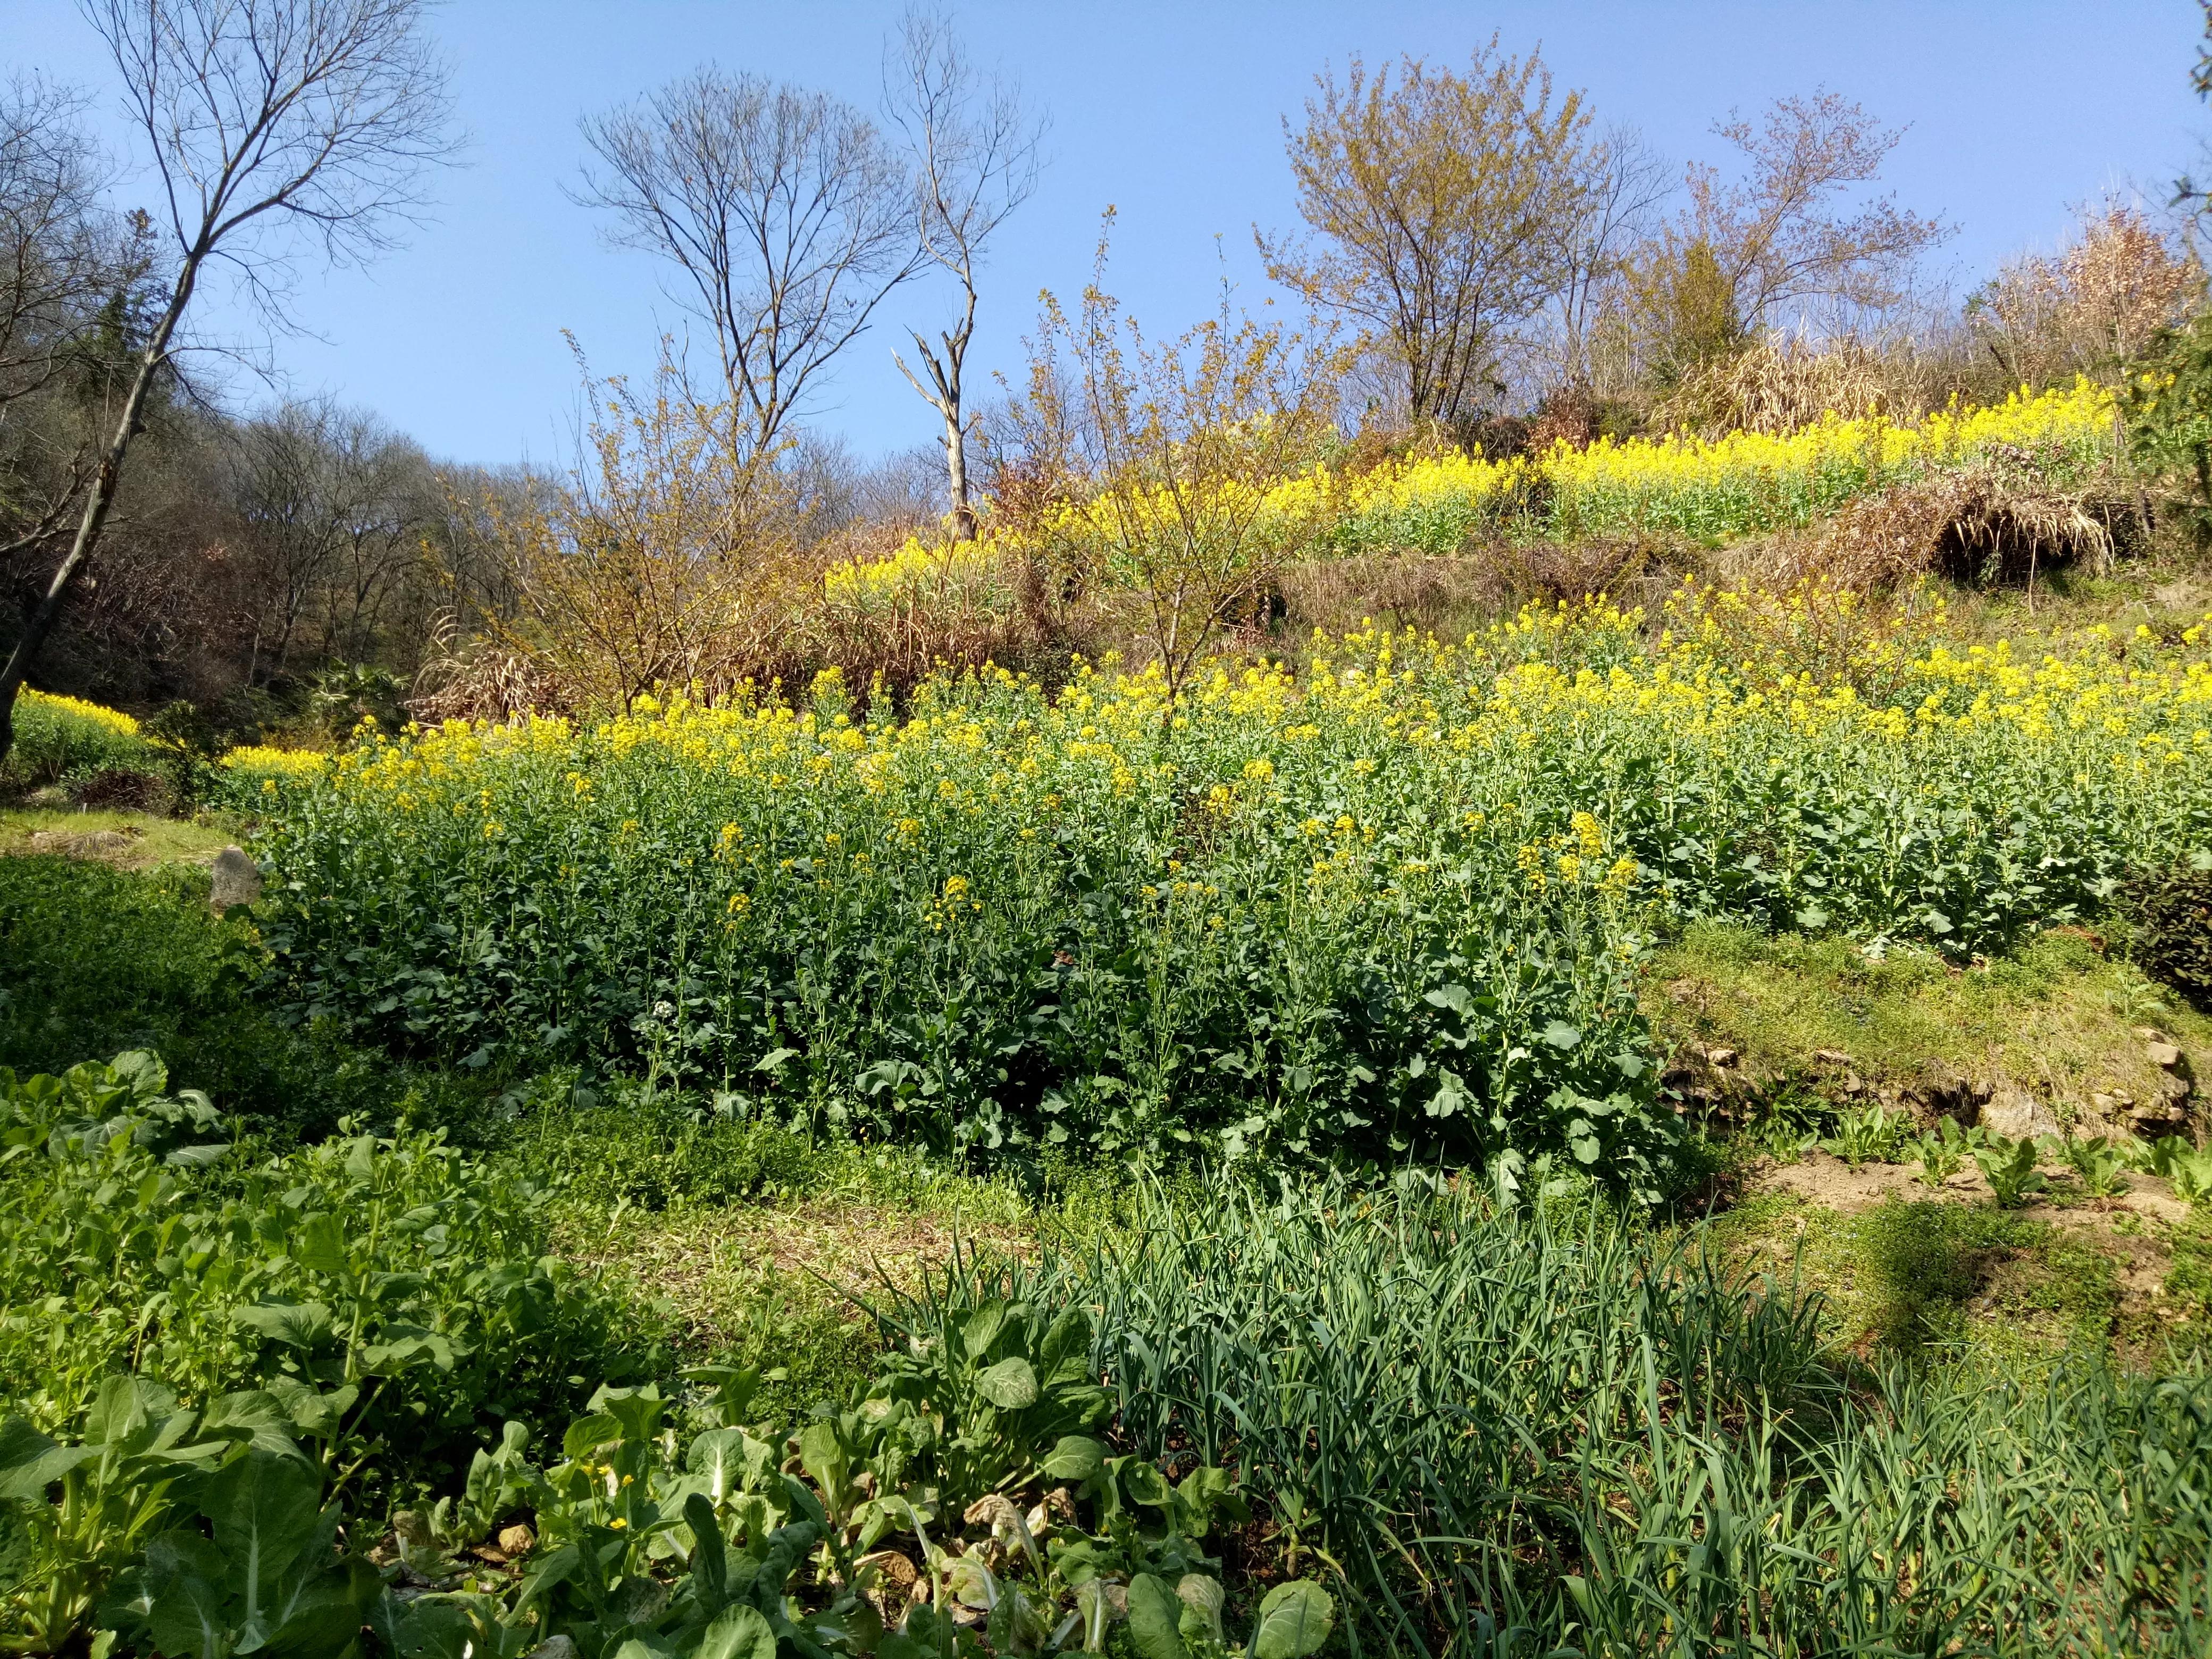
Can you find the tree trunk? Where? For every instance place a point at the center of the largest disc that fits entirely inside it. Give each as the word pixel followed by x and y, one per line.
pixel 955 468
pixel 105 483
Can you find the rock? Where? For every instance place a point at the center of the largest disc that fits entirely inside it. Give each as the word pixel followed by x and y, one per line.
pixel 2149 1034
pixel 555 1647
pixel 1721 1056
pixel 2162 1054
pixel 237 879
pixel 2017 1114
pixel 2150 1122
pixel 516 1540
pixel 1832 1056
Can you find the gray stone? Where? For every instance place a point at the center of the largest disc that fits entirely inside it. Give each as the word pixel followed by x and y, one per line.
pixel 2017 1114
pixel 237 879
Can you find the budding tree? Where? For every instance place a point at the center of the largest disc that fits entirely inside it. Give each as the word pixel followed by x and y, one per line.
pixel 1439 205
pixel 277 130
pixel 1785 232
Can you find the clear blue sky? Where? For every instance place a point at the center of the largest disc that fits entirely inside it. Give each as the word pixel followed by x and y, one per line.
pixel 2017 109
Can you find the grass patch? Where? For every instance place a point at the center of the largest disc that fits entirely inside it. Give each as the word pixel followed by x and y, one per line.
pixel 1930 1279
pixel 100 960
pixel 768 1248
pixel 155 840
pixel 2057 1018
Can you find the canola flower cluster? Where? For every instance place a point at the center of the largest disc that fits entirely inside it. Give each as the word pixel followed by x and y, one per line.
pixel 1710 490
pixel 60 736
pixel 1748 482
pixel 1394 901
pixel 970 572
pixel 47 702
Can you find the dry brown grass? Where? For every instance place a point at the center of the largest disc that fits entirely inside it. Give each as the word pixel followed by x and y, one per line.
pixel 1779 383
pixel 1982 525
pixel 1445 596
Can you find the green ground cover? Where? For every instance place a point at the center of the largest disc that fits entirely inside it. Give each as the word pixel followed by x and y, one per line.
pixel 541 1261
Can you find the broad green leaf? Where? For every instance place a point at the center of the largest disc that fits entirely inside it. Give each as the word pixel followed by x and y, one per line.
pixel 264 1508
pixel 737 1632
pixel 1146 1484
pixel 295 1324
pixel 30 1462
pixel 318 1244
pixel 982 1329
pixel 803 1502
pixel 1064 1354
pixel 588 1433
pixel 1076 1457
pixel 710 1567
pixel 322 1606
pixel 718 1456
pixel 1294 1621
pixel 423 1628
pixel 400 1348
pixel 1010 1385
pixel 821 1455
pixel 125 1413
pixel 1155 1617
pixel 141 1071
pixel 1454 997
pixel 258 1416
pixel 186 1597
pixel 638 1410
pixel 313 1412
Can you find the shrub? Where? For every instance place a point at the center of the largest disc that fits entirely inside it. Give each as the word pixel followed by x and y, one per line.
pixel 2171 910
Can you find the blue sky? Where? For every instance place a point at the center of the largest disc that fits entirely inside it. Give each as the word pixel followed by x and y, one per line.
pixel 2017 110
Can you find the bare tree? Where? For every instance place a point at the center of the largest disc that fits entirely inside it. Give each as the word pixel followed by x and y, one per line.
pixel 1624 181
pixel 273 125
pixel 1440 201
pixel 62 260
pixel 785 212
pixel 336 508
pixel 1780 235
pixel 976 159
